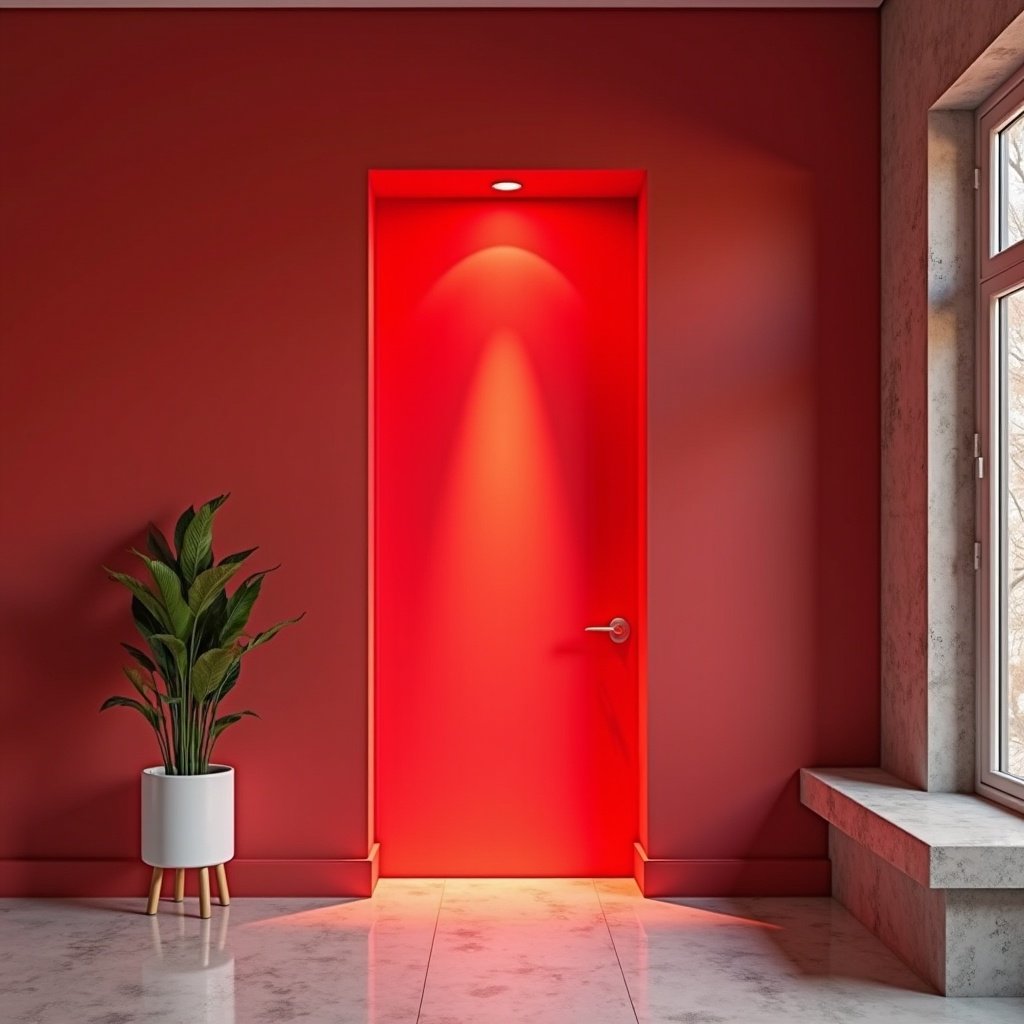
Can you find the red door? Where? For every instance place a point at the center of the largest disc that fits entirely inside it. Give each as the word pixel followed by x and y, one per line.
pixel 507 346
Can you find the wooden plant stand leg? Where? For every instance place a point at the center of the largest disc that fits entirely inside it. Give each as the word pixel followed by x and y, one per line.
pixel 154 890
pixel 179 885
pixel 222 886
pixel 204 893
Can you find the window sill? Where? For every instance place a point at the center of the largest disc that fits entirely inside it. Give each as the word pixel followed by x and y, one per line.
pixel 1001 796
pixel 941 840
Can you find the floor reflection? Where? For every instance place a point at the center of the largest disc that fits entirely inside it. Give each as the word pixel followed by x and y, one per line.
pixel 471 951
pixel 188 974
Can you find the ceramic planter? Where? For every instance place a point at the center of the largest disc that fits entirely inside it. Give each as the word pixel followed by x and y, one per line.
pixel 188 821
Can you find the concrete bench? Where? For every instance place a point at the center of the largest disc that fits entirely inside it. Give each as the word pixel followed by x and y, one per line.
pixel 939 877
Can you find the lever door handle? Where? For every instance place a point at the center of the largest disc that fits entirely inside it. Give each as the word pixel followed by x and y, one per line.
pixel 617 630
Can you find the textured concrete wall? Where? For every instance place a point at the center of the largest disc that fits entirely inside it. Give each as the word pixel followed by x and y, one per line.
pixel 984 939
pixel 926 47
pixel 951 286
pixel 907 917
pixel 964 942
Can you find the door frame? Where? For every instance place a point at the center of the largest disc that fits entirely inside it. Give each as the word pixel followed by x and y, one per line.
pixel 441 183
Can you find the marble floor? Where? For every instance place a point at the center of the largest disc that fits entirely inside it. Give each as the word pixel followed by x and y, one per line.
pixel 462 951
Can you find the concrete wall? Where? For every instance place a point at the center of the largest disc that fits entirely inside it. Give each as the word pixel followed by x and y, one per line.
pixel 927 602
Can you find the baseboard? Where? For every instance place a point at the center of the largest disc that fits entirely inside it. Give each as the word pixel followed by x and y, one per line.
pixel 357 877
pixel 797 876
pixel 69 878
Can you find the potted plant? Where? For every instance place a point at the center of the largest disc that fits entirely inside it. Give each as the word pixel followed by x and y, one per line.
pixel 196 635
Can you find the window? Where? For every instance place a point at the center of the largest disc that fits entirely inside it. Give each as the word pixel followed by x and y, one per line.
pixel 999 445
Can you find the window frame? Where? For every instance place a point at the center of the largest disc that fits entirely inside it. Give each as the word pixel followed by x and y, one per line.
pixel 998 274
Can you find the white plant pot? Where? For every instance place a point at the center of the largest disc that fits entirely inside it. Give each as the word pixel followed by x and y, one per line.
pixel 188 821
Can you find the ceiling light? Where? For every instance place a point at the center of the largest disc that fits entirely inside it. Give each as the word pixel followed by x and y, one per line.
pixel 506 186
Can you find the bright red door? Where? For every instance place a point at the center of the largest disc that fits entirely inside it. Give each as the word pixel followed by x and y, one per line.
pixel 507 343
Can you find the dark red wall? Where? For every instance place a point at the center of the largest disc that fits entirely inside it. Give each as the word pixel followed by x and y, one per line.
pixel 184 279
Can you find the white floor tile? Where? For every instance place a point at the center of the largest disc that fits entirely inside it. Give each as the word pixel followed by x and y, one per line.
pixel 321 961
pixel 755 961
pixel 511 951
pixel 463 952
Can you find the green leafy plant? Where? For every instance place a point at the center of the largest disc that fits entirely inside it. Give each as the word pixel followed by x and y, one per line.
pixel 196 635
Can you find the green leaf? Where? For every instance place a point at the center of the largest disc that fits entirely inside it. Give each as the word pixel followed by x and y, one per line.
pixel 209 670
pixel 148 627
pixel 180 526
pixel 143 659
pixel 146 688
pixel 269 634
pixel 225 720
pixel 169 584
pixel 210 624
pixel 197 543
pixel 240 605
pixel 158 546
pixel 165 663
pixel 149 713
pixel 208 585
pixel 230 679
pixel 215 503
pixel 145 622
pixel 144 595
pixel 140 684
pixel 238 556
pixel 178 651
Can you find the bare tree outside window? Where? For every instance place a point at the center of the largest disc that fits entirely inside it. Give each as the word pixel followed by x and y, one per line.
pixel 1011 329
pixel 1011 191
pixel 1012 322
pixel 999 554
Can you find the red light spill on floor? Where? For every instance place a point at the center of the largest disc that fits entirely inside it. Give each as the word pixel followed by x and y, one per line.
pixel 501 898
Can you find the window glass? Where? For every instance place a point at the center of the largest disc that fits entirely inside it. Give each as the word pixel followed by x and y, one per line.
pixel 1011 183
pixel 1010 320
pixel 999 445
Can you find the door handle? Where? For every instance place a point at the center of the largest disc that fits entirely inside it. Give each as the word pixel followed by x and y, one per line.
pixel 617 630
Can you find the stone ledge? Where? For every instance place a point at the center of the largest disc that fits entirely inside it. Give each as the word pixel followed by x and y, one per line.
pixel 941 840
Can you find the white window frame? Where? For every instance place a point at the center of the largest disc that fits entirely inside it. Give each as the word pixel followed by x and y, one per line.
pixel 998 275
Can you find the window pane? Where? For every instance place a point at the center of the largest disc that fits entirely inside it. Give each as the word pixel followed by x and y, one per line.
pixel 1011 695
pixel 1011 183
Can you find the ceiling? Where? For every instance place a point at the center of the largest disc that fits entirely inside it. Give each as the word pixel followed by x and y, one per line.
pixel 381 4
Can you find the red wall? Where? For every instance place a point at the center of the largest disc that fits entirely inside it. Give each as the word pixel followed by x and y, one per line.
pixel 183 305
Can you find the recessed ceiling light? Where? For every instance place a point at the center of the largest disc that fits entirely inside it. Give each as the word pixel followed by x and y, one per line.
pixel 506 186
